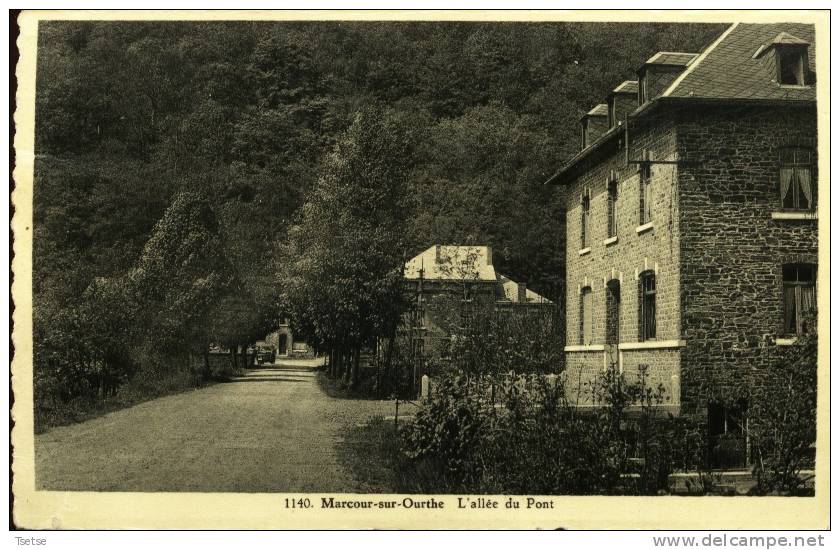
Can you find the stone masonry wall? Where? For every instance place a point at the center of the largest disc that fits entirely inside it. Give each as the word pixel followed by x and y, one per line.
pixel 731 250
pixel 633 252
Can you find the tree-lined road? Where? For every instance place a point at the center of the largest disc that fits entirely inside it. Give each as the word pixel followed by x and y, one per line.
pixel 272 430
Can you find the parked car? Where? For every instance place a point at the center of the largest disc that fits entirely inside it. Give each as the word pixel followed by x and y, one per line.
pixel 265 354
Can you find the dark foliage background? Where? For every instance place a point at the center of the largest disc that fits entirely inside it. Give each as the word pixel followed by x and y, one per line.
pixel 128 114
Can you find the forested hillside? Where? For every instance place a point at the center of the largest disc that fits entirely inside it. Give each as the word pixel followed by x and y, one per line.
pixel 173 159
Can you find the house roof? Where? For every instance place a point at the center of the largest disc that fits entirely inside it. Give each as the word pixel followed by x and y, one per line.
pixel 728 69
pixel 511 290
pixel 679 59
pixel 782 39
pixel 627 87
pixel 598 110
pixel 786 38
pixel 452 263
pixel 596 145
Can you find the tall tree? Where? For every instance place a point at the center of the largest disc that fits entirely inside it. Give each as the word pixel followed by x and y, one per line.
pixel 342 263
pixel 179 277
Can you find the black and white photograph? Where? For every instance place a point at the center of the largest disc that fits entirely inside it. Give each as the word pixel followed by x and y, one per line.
pixel 396 266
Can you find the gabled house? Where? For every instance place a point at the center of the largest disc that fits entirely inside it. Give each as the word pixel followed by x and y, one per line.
pixel 691 232
pixel 450 284
pixel 458 274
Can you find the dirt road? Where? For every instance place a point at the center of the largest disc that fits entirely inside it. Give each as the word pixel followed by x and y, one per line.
pixel 273 430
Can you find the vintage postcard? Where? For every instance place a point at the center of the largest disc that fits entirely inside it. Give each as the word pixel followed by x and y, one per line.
pixel 421 269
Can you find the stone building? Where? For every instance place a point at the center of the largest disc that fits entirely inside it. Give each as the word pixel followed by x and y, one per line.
pixel 283 340
pixel 443 278
pixel 451 286
pixel 691 220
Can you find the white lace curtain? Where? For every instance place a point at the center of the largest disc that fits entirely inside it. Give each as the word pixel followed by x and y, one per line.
pixel 787 179
pixel 802 176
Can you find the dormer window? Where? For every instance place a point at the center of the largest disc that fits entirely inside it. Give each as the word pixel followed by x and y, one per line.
pixel 659 72
pixel 593 125
pixel 792 66
pixel 791 53
pixel 622 101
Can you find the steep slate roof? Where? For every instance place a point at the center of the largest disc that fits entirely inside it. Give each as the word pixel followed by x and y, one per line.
pixel 680 59
pixel 733 68
pixel 728 70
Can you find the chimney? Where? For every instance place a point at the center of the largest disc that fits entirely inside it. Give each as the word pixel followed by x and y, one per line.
pixel 489 255
pixel 521 295
pixel 622 101
pixel 437 253
pixel 593 124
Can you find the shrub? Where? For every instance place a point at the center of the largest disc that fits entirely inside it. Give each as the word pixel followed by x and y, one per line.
pixel 783 428
pixel 527 438
pixel 452 431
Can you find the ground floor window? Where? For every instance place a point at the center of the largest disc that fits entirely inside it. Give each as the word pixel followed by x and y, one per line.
pixel 727 426
pixel 586 316
pixel 613 311
pixel 647 306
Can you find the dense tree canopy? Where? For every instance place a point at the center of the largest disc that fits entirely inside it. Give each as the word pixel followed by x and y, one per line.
pixel 131 112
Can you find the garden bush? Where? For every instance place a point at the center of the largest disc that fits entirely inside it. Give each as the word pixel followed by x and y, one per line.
pixel 527 438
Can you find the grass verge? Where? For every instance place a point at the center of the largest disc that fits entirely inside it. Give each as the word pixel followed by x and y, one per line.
pixel 371 452
pixel 338 389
